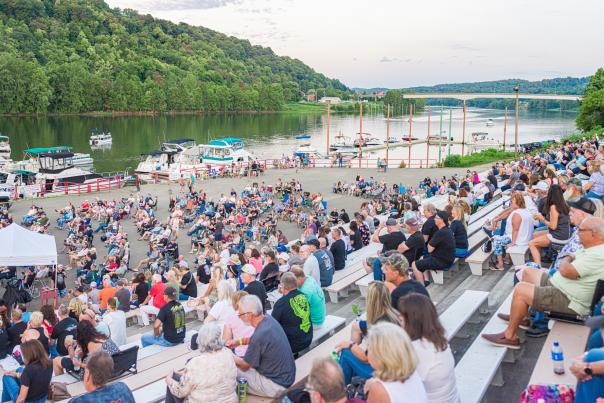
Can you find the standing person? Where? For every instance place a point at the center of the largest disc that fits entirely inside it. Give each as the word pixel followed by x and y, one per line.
pixel 316 298
pixel 253 286
pixel 115 320
pixel 98 373
pixel 441 248
pixel 338 249
pixel 65 327
pixel 394 360
pixel 30 385
pixel 157 293
pixel 169 327
pixel 268 364
pixel 292 312
pixel 436 365
pixel 413 246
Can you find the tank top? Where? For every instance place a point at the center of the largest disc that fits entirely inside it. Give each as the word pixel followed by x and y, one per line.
pixel 525 232
pixel 412 390
pixel 562 231
pixel 43 339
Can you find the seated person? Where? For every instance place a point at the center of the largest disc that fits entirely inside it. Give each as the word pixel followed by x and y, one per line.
pixel 169 327
pixel 268 364
pixel 441 248
pixel 570 290
pixel 29 384
pixel 292 311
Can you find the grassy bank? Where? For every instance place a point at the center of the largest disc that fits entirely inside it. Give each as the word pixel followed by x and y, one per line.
pixel 303 107
pixel 483 157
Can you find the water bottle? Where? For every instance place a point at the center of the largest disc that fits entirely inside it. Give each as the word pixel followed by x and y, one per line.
pixel 558 358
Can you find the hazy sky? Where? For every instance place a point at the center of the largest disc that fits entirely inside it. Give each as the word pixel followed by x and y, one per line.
pixel 400 43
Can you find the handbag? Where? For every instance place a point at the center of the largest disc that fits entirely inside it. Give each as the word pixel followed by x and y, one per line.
pixel 487 247
pixel 57 391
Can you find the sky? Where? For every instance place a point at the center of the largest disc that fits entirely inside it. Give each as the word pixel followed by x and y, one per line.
pixel 402 43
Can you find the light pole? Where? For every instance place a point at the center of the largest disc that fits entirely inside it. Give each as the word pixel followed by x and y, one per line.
pixel 516 90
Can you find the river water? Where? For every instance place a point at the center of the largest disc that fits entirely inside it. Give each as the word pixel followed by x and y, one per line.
pixel 267 135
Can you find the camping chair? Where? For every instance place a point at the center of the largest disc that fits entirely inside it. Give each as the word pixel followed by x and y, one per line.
pixel 124 362
pixel 39 282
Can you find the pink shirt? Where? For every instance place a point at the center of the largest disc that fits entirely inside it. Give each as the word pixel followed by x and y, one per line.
pixel 239 330
pixel 257 263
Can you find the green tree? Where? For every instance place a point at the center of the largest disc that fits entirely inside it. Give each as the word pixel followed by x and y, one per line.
pixel 591 111
pixel 24 86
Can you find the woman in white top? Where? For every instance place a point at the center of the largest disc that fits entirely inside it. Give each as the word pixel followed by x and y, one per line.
pixel 518 229
pixel 436 365
pixel 223 307
pixel 393 358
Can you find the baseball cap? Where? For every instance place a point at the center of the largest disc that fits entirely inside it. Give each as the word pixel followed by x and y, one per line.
pixel 314 242
pixel 397 261
pixel 390 222
pixel 584 204
pixel 170 292
pixel 249 269
pixel 412 222
pixel 520 187
pixel 541 185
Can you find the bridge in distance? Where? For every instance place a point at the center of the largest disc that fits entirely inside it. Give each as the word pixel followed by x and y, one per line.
pixel 467 96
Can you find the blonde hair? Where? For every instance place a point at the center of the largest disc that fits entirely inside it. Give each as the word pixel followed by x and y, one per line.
pixel 224 290
pixel 457 212
pixel 392 351
pixel 36 319
pixel 594 165
pixel 76 306
pixel 237 295
pixel 379 305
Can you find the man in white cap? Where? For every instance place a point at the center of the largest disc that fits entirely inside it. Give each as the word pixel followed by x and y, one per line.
pixel 283 259
pixel 253 286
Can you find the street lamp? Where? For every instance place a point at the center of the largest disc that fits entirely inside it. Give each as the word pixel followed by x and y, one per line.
pixel 516 90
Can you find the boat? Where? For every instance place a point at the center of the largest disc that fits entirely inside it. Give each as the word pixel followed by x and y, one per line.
pixel 490 123
pixel 342 143
pixel 4 148
pixel 31 161
pixel 100 138
pixel 404 138
pixel 367 140
pixel 225 151
pixel 303 137
pixel 179 144
pixel 313 156
pixel 481 140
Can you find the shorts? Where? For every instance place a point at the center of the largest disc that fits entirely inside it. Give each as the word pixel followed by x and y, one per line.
pixel 548 298
pixel 429 263
pixel 557 241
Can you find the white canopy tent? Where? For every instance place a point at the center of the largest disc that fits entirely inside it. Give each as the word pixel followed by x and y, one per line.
pixel 22 247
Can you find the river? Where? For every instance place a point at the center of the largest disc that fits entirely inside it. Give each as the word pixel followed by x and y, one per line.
pixel 266 135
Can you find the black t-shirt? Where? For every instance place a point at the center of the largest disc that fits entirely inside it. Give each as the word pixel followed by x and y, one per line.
pixel 416 244
pixel 356 240
pixel 142 291
pixel 460 234
pixel 268 269
pixel 338 250
pixel 172 316
pixel 14 334
pixel 405 288
pixel 123 297
pixel 36 378
pixel 292 311
pixel 392 240
pixel 429 228
pixel 61 330
pixel 443 242
pixel 191 286
pixel 204 273
pixel 345 218
pixel 257 288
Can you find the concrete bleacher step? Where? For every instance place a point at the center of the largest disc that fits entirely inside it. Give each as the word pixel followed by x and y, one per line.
pixel 481 362
pixel 518 254
pixel 462 309
pixel 573 340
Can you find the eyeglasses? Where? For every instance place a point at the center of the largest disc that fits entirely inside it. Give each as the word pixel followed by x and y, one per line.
pixel 242 313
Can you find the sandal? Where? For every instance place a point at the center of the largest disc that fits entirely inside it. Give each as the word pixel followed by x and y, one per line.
pixel 493 267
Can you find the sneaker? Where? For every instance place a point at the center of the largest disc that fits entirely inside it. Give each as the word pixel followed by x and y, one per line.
pixel 536 332
pixel 499 339
pixel 525 324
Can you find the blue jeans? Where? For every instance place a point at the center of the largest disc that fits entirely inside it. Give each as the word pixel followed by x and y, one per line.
pixel 352 366
pixel 150 339
pixel 593 195
pixel 590 390
pixel 10 390
pixel 459 252
pixel 183 297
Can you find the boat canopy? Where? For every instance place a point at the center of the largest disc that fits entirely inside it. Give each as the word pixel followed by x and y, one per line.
pixel 56 155
pixel 227 142
pixel 180 141
pixel 24 173
pixel 45 150
pixel 155 153
pixel 3 137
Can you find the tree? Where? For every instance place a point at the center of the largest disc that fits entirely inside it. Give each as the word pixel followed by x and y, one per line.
pixel 24 86
pixel 591 111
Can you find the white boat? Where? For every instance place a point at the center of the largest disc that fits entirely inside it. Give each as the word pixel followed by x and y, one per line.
pixel 367 140
pixel 490 123
pixel 481 140
pixel 313 157
pixel 225 151
pixel 342 143
pixel 100 139
pixel 4 148
pixel 31 163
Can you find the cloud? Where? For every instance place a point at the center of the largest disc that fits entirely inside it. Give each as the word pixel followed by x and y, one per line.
pixel 387 59
pixel 463 46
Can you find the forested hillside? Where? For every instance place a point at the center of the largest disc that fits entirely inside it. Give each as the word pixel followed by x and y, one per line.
pixel 81 56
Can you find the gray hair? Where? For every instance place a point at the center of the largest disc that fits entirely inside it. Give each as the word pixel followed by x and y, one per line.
pixel 209 338
pixel 224 290
pixel 430 207
pixel 63 310
pixel 250 304
pixel 156 277
pixel 288 281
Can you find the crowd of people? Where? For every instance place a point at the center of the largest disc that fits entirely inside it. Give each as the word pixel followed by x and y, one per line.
pixel 261 300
